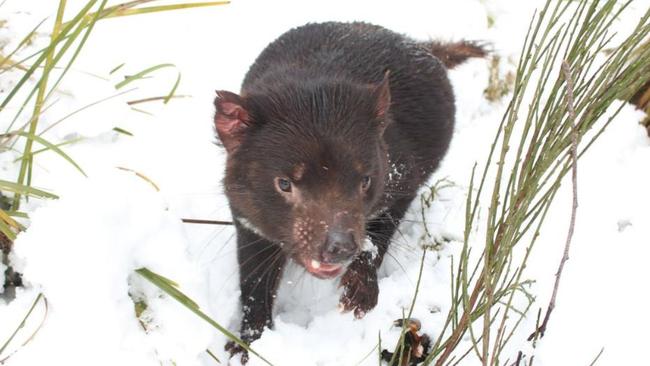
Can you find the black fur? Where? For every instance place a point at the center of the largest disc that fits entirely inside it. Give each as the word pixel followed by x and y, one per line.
pixel 315 107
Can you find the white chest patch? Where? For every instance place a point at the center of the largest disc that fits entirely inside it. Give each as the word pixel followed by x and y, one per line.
pixel 248 225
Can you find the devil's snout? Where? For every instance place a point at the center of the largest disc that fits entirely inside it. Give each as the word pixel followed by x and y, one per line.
pixel 339 247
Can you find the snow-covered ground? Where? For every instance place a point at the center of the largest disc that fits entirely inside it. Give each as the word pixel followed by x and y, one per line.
pixel 81 251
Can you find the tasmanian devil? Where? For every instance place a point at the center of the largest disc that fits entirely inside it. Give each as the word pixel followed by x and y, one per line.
pixel 336 127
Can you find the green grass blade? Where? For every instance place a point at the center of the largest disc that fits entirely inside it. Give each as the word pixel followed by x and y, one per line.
pixel 212 355
pixel 141 111
pixel 20 45
pixel 25 190
pixel 173 91
pixel 520 199
pixel 170 288
pixel 69 142
pixel 141 74
pixel 89 27
pixel 128 8
pixel 51 146
pixel 22 323
pixel 20 214
pixel 122 131
pixel 379 347
pixel 84 108
pixel 400 342
pixel 47 51
pixel 116 68
pixel 50 61
pixel 156 9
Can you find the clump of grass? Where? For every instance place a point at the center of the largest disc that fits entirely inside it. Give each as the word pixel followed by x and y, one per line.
pixel 40 73
pixel 498 87
pixel 532 155
pixel 47 67
pixel 52 62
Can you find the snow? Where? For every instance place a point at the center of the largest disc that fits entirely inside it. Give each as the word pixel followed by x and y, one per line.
pixel 81 250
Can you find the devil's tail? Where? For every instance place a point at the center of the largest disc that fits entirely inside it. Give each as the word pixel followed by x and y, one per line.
pixel 454 53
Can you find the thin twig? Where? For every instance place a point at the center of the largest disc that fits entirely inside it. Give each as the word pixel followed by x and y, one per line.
pixel 597 357
pixel 566 70
pixel 209 222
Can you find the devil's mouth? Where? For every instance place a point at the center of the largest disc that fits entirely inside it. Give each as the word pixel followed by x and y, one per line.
pixel 321 269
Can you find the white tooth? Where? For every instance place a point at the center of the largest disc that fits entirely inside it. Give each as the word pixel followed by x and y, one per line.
pixel 315 264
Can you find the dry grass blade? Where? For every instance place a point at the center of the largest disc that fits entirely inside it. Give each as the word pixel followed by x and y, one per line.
pixel 7 230
pixel 142 176
pixel 15 225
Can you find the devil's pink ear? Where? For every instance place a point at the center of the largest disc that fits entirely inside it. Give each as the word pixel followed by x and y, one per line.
pixel 382 97
pixel 231 119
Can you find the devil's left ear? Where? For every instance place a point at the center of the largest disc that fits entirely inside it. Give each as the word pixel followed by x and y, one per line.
pixel 382 99
pixel 231 119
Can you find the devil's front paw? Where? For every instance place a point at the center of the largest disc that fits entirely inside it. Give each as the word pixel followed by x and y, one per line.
pixel 235 349
pixel 360 289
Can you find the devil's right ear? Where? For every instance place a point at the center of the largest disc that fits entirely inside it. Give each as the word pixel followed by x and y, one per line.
pixel 231 119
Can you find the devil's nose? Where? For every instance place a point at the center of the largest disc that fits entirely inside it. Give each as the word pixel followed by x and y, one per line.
pixel 339 246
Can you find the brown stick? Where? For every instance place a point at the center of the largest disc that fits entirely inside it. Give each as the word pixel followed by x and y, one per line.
pixel 209 222
pixel 574 180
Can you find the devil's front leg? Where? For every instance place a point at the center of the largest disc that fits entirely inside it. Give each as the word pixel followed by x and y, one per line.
pixel 359 282
pixel 260 267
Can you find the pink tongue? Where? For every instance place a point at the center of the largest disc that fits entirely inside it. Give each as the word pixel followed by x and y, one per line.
pixel 316 266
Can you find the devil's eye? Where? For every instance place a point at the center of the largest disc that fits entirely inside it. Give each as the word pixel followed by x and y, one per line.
pixel 365 182
pixel 283 184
